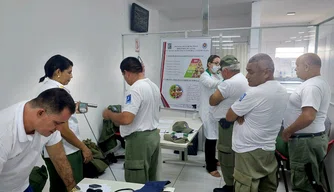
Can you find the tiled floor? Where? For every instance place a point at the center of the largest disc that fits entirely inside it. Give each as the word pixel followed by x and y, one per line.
pixel 183 177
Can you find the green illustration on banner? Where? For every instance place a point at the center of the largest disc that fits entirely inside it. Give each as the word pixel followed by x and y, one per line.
pixel 195 69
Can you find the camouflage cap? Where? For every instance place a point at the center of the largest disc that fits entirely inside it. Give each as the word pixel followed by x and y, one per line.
pixel 182 127
pixel 228 60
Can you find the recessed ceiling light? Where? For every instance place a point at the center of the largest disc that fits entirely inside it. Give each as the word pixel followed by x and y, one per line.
pixel 291 13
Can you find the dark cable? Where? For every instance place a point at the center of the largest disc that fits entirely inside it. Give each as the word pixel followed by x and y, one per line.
pixel 97 143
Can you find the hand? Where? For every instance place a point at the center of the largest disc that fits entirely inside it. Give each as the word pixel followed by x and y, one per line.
pixel 87 154
pixel 286 135
pixel 240 120
pixel 105 113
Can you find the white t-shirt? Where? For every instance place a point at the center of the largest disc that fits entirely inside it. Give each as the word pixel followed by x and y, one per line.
pixel 314 92
pixel 263 108
pixel 19 152
pixel 142 100
pixel 72 122
pixel 231 89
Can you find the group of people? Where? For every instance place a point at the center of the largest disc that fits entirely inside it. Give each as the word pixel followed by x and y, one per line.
pixel 47 126
pixel 245 115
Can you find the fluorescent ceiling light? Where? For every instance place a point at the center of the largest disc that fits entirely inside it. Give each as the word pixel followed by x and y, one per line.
pixel 232 36
pixel 230 41
pixel 306 39
pixel 291 13
pixel 293 37
pixel 228 48
pixel 311 31
pixel 223 45
pixel 310 26
pixel 298 40
pixel 301 32
pixel 287 41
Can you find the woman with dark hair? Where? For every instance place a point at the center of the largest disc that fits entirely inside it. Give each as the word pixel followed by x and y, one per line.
pixel 58 73
pixel 139 121
pixel 209 81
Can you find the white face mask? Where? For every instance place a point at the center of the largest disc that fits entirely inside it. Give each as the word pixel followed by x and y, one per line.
pixel 215 68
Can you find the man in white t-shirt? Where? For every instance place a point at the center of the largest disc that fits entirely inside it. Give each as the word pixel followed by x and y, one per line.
pixel 258 115
pixel 304 123
pixel 25 128
pixel 234 85
pixel 139 120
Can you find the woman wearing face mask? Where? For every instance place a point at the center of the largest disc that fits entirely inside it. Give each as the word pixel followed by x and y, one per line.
pixel 209 81
pixel 58 73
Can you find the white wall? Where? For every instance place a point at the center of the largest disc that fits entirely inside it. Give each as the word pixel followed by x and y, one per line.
pixel 87 32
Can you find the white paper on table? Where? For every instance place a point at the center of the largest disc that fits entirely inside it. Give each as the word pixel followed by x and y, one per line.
pixel 104 187
pixel 166 121
pixel 164 126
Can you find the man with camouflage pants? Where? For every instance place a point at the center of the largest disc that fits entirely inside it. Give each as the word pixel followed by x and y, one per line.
pixel 234 85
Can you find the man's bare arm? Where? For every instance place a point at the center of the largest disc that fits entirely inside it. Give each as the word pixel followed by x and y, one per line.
pixel 216 98
pixel 124 118
pixel 305 119
pixel 63 167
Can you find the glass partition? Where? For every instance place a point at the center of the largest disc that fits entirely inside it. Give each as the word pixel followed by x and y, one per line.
pixel 285 45
pixel 326 52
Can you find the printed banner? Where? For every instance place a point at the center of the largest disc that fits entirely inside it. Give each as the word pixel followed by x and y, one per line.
pixel 183 61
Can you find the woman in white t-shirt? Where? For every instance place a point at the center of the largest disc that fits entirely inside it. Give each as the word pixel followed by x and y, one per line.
pixel 209 81
pixel 58 73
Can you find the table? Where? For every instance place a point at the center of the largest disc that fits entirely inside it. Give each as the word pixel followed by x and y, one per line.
pixel 195 124
pixel 116 185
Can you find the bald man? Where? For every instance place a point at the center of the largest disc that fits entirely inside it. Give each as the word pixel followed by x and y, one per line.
pixel 258 115
pixel 304 122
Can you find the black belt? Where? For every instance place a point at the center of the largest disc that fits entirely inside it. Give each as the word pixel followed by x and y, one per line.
pixel 304 135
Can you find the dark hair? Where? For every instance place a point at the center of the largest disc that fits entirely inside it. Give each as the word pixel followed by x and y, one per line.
pixel 131 64
pixel 54 101
pixel 211 58
pixel 55 62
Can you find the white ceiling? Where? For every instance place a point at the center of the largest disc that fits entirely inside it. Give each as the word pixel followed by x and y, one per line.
pixel 273 11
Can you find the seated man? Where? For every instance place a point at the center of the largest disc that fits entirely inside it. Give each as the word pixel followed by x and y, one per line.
pixel 25 128
pixel 258 115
